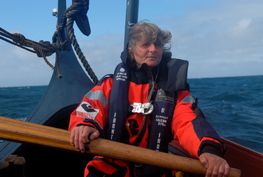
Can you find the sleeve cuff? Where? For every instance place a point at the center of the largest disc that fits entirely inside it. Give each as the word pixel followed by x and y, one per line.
pixel 93 123
pixel 211 147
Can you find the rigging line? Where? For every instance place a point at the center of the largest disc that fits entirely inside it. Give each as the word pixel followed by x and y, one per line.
pixel 8 35
pixel 30 50
pixel 20 40
pixel 18 45
pixel 80 53
pixel 42 48
pixel 45 59
pixel 4 34
pixel 37 50
pixel 1 29
pixel 70 14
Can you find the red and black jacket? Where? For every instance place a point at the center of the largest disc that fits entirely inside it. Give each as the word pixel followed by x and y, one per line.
pixel 109 104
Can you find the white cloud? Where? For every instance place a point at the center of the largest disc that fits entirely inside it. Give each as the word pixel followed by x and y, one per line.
pixel 103 52
pixel 18 67
pixel 242 26
pixel 223 40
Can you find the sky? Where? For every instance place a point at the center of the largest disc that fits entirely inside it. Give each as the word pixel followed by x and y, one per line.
pixel 218 37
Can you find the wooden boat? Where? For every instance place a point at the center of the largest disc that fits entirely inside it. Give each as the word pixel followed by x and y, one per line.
pixel 249 161
pixel 33 159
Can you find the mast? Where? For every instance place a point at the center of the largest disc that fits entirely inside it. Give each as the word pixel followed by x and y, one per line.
pixel 61 10
pixel 132 7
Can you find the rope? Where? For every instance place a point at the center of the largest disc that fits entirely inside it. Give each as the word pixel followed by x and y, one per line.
pixel 45 48
pixel 41 48
pixel 71 13
pixel 4 35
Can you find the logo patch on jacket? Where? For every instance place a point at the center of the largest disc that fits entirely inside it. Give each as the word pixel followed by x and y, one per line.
pixel 87 111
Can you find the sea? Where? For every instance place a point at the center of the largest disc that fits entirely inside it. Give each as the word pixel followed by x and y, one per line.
pixel 233 105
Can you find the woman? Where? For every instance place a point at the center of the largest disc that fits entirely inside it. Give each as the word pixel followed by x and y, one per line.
pixel 147 103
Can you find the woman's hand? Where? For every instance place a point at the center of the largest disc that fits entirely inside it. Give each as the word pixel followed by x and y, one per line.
pixel 81 135
pixel 215 165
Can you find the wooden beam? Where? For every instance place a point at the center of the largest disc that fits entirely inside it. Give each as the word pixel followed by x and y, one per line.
pixel 26 132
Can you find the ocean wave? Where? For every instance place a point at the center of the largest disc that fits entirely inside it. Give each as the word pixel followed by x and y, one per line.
pixel 232 105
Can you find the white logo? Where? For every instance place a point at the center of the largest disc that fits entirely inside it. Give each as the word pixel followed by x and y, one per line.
pixel 121 76
pixel 122 70
pixel 87 111
pixel 144 108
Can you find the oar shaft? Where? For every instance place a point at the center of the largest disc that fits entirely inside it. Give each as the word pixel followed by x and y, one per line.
pixel 146 156
pixel 27 132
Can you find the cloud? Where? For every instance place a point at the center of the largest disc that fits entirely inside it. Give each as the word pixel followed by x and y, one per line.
pixel 242 26
pixel 224 40
pixel 103 52
pixel 19 68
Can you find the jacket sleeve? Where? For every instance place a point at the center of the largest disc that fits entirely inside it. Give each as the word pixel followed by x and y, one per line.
pixel 93 109
pixel 191 130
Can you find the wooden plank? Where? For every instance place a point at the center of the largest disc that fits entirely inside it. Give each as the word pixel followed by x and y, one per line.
pixel 17 130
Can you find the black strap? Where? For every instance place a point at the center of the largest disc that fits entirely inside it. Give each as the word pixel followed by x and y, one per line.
pixel 118 107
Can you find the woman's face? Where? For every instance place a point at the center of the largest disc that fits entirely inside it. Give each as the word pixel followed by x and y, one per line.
pixel 148 53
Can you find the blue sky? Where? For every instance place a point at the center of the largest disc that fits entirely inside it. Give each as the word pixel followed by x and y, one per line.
pixel 218 37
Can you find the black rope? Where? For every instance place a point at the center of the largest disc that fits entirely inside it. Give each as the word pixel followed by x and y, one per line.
pixel 71 13
pixel 4 35
pixel 41 48
pixel 45 48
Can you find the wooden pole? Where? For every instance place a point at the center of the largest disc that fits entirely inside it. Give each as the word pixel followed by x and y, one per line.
pixel 17 130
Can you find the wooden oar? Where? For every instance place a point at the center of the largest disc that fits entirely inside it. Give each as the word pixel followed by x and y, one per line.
pixel 17 130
